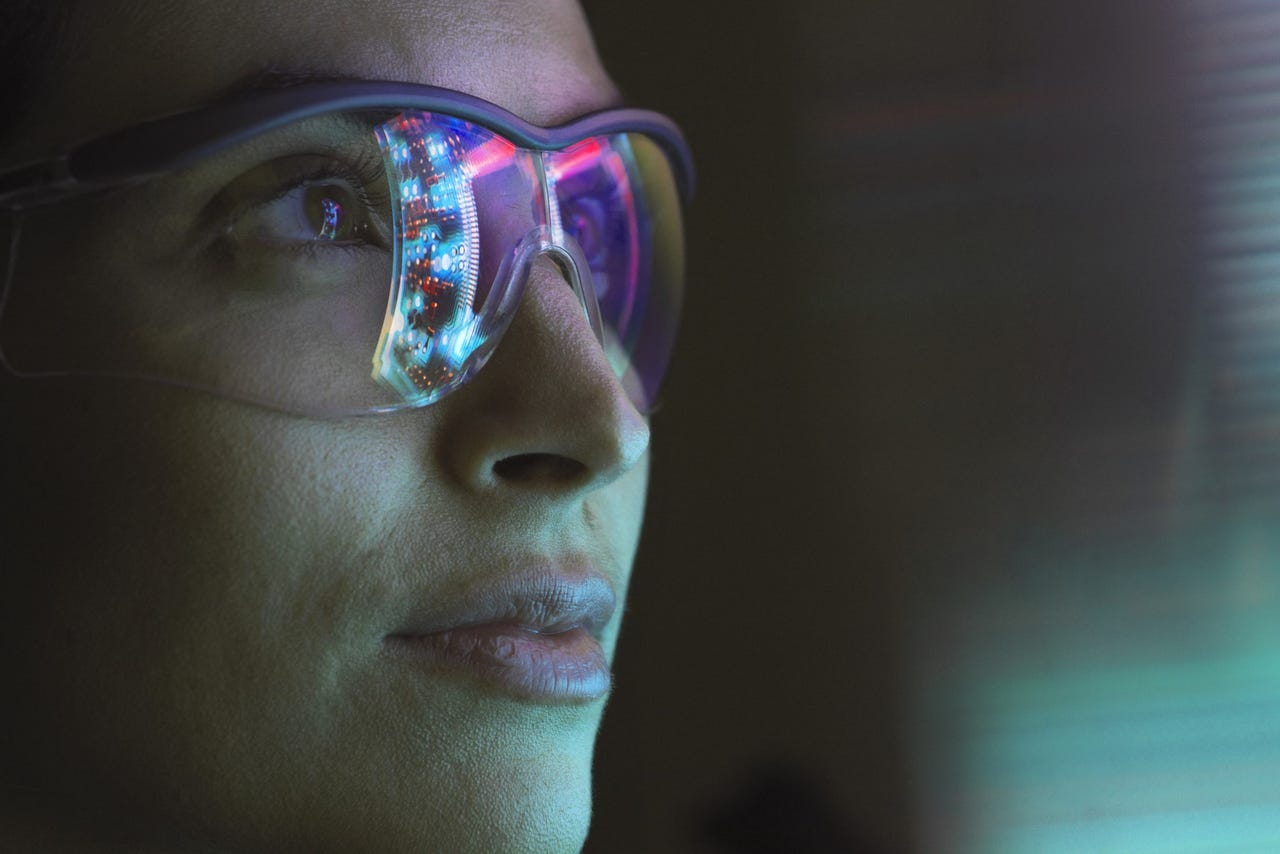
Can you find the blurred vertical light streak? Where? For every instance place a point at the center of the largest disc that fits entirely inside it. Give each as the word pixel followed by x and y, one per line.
pixel 1126 698
pixel 1235 70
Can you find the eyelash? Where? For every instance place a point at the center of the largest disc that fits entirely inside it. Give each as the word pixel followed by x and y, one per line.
pixel 360 176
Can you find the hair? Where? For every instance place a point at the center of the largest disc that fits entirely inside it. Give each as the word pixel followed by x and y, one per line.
pixel 31 43
pixel 31 39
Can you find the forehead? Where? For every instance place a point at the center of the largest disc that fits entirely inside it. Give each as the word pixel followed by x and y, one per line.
pixel 129 60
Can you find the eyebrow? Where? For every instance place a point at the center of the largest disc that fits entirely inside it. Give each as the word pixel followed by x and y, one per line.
pixel 269 78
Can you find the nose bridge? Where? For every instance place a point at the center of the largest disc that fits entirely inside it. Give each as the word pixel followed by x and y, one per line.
pixel 556 416
pixel 575 271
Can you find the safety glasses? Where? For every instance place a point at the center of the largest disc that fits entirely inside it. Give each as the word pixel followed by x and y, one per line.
pixel 343 248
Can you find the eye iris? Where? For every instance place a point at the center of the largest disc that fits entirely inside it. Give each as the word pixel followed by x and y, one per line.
pixel 325 213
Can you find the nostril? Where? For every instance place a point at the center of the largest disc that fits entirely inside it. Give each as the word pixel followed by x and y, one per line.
pixel 539 467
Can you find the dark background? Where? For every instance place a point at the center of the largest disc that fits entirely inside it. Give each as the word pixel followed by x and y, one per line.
pixel 943 410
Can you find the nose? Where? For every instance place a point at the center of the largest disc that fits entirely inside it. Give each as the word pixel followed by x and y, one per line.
pixel 547 411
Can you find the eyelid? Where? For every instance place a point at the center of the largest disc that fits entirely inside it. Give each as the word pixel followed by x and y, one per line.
pixel 364 174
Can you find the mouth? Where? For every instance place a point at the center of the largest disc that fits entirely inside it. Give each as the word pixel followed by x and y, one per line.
pixel 534 637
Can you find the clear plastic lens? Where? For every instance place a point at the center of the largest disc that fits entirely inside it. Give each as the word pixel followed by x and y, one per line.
pixel 629 210
pixel 328 270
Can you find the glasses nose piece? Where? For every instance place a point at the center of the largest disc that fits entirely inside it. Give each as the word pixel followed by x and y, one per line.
pixel 569 259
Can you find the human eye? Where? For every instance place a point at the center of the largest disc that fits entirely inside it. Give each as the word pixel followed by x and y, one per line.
pixel 308 204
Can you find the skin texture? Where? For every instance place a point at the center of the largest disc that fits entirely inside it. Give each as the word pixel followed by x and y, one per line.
pixel 196 591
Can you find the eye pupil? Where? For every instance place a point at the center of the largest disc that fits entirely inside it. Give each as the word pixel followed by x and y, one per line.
pixel 332 215
pixel 329 211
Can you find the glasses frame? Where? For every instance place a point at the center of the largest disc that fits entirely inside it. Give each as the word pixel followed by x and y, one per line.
pixel 170 143
pixel 161 146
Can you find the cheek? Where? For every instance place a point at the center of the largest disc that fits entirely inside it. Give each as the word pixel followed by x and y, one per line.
pixel 183 567
pixel 625 504
pixel 615 514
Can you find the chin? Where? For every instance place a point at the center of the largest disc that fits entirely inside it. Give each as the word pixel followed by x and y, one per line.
pixel 486 797
pixel 541 820
pixel 541 805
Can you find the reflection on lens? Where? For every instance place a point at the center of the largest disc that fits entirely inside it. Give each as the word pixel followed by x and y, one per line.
pixel 430 323
pixel 626 193
pixel 598 206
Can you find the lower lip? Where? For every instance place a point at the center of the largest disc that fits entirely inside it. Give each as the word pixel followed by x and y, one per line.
pixel 566 667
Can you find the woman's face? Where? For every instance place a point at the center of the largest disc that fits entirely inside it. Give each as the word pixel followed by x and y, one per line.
pixel 204 602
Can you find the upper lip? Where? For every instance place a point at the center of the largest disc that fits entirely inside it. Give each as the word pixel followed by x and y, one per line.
pixel 545 600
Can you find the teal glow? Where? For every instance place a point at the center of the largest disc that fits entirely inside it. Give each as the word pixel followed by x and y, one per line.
pixel 1126 698
pixel 1120 706
pixel 1229 829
